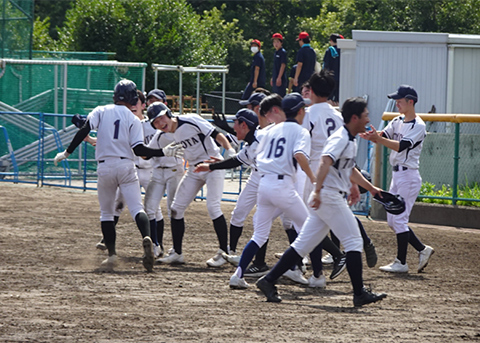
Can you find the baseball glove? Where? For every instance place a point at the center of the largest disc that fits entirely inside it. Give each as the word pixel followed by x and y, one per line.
pixel 221 122
pixel 393 203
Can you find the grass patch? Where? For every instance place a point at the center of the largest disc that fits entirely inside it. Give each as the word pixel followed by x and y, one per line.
pixel 471 191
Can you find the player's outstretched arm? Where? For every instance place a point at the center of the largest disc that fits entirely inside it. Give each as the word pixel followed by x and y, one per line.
pixel 360 180
pixel 223 141
pixel 225 164
pixel 377 137
pixel 76 141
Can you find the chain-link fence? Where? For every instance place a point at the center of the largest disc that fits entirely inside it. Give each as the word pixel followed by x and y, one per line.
pixel 16 28
pixel 449 162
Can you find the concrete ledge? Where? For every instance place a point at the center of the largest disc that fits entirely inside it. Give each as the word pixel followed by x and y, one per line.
pixel 437 214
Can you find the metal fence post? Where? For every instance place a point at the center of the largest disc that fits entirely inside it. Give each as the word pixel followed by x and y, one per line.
pixel 456 159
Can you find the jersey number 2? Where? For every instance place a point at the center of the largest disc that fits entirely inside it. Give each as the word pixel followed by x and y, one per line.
pixel 117 128
pixel 278 150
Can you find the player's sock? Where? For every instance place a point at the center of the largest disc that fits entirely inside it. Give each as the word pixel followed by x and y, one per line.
pixel 109 236
pixel 160 228
pixel 402 245
pixel 235 233
pixel 289 258
pixel 292 235
pixel 366 239
pixel 335 240
pixel 260 255
pixel 354 268
pixel 329 246
pixel 153 231
pixel 316 259
pixel 247 255
pixel 414 241
pixel 178 229
pixel 143 224
pixel 220 225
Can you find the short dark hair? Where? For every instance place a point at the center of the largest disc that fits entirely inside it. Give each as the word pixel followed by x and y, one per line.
pixel 334 37
pixel 306 40
pixel 306 84
pixel 141 96
pixel 353 106
pixel 322 83
pixel 262 90
pixel 269 102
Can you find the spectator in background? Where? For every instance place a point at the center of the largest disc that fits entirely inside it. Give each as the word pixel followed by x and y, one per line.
pixel 306 60
pixel 290 78
pixel 156 95
pixel 279 77
pixel 331 61
pixel 257 74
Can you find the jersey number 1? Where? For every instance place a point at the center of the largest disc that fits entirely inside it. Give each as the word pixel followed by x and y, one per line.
pixel 117 128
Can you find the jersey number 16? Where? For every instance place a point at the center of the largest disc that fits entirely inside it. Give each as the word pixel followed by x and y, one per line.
pixel 276 147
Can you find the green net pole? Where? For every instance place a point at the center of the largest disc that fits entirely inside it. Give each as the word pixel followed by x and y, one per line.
pixel 456 159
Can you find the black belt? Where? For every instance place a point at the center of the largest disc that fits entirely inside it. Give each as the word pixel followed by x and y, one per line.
pixel 398 168
pixel 280 177
pixel 166 167
pixel 122 158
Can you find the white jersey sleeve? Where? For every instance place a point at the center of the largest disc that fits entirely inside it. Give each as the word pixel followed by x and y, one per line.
pixel 118 131
pixel 148 133
pixel 248 154
pixel 413 132
pixel 193 132
pixel 159 141
pixel 341 147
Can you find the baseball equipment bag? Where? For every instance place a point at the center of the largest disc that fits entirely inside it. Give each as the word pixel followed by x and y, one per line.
pixel 393 203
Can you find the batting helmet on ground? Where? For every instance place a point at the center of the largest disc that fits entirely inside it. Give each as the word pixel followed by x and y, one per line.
pixel 125 91
pixel 393 203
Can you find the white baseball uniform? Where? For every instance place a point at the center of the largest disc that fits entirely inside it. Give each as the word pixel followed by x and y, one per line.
pixel 406 179
pixel 277 165
pixel 118 132
pixel 193 132
pixel 333 212
pixel 167 172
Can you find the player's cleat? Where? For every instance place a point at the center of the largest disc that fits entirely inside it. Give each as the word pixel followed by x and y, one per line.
pixel 327 259
pixel 296 275
pixel 110 262
pixel 395 267
pixel 232 259
pixel 367 297
pixel 157 251
pixel 148 258
pixel 424 257
pixel 256 271
pixel 172 258
pixel 370 255
pixel 339 265
pixel 101 245
pixel 217 260
pixel 238 282
pixel 269 289
pixel 317 282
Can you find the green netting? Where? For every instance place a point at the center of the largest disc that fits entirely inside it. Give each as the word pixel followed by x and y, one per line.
pixel 16 26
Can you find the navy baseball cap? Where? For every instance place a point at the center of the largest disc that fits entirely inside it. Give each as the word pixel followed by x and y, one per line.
pixel 292 102
pixel 404 91
pixel 254 99
pixel 248 117
pixel 157 93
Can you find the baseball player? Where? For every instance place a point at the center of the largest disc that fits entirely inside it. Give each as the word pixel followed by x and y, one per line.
pixel 329 208
pixel 279 76
pixel 404 135
pixel 197 137
pixel 166 175
pixel 156 95
pixel 281 145
pixel 118 132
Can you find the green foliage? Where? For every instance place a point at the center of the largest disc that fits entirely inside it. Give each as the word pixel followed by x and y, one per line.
pixel 471 191
pixel 41 37
pixel 164 32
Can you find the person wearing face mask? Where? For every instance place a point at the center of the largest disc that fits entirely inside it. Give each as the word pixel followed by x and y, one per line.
pixel 257 73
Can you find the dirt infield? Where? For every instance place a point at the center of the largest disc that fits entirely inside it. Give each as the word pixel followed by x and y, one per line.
pixel 52 291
